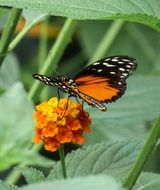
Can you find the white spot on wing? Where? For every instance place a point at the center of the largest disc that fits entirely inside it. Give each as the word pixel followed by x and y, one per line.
pixel 115 59
pixel 125 60
pixel 112 72
pixel 108 65
pixel 99 70
pixel 121 69
pixel 120 62
pixel 128 66
pixel 131 63
pixel 124 74
pixel 96 63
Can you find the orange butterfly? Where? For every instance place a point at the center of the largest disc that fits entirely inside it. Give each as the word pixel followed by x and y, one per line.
pixel 101 82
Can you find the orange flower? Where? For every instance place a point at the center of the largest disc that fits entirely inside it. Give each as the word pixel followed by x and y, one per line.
pixel 57 123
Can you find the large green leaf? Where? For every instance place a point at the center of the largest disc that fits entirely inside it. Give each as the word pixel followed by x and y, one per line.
pixel 113 158
pixel 126 117
pixel 147 12
pixel 101 182
pixel 16 129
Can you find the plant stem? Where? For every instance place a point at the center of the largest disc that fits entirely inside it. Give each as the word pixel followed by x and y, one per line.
pixel 8 32
pixel 144 154
pixel 107 40
pixel 62 158
pixel 24 31
pixel 55 53
pixel 13 177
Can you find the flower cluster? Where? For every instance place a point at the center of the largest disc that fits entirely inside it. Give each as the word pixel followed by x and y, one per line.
pixel 60 121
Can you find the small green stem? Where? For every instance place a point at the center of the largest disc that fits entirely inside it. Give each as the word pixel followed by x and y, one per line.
pixel 8 32
pixel 13 177
pixel 107 40
pixel 55 53
pixel 145 153
pixel 62 159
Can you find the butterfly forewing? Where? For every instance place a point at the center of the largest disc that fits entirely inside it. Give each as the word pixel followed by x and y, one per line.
pixel 105 80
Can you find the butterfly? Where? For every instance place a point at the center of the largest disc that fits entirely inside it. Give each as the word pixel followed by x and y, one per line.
pixel 102 82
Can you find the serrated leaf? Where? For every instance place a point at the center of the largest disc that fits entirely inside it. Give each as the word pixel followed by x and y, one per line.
pixel 114 158
pixel 148 181
pixel 101 182
pixel 10 65
pixel 16 129
pixel 140 11
pixel 6 186
pixel 126 117
pixel 32 175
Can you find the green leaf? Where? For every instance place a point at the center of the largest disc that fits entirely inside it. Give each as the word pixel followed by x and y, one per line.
pixel 16 129
pixel 148 181
pixel 101 182
pixel 114 158
pixel 32 175
pixel 9 73
pixel 146 12
pixel 6 186
pixel 126 118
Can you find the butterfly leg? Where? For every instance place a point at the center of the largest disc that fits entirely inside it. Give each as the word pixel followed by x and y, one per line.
pixel 58 96
pixel 82 106
pixel 65 107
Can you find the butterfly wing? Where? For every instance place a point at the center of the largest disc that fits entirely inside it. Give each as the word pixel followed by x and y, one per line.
pixel 105 80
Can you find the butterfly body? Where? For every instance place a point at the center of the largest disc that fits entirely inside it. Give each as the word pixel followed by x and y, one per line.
pixel 101 82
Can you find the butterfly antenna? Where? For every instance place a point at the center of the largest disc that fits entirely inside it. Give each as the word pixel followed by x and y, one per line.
pixel 51 60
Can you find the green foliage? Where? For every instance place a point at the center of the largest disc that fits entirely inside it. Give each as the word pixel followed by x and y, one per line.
pixel 31 175
pixel 114 158
pixel 139 11
pixel 112 148
pixel 16 118
pixel 148 181
pixel 6 186
pixel 90 182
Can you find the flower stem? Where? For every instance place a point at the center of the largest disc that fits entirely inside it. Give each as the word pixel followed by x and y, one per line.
pixel 107 40
pixel 62 158
pixel 55 53
pixel 8 32
pixel 144 154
